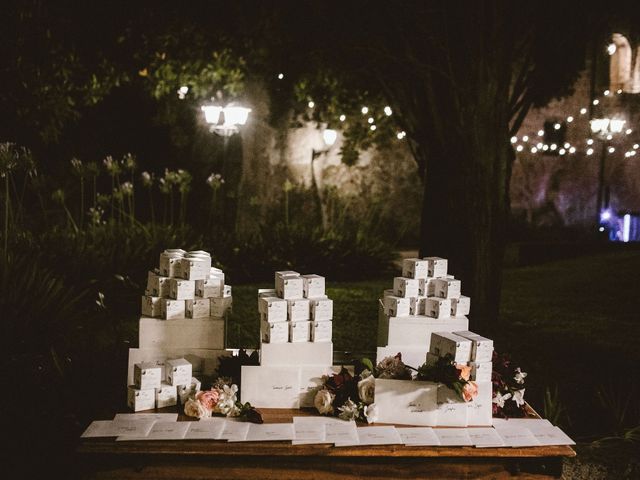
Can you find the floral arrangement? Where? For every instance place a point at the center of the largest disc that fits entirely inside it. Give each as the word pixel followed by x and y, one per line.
pixel 453 375
pixel 508 387
pixel 221 399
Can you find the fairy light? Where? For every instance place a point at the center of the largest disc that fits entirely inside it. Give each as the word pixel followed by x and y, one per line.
pixel 401 135
pixel 280 76
pixel 311 104
pixel 557 126
pixel 628 131
pixel 388 111
pixel 365 110
pixel 609 137
pixel 539 145
pixel 611 48
pixel 545 147
pixel 589 151
pixel 596 101
pixel 590 141
pixel 619 91
pixel 534 149
pixel 636 146
pixel 514 139
pixel 562 151
pixel 519 148
pixel 553 146
pixel 372 127
pixel 569 119
pixel 611 149
pixel 525 138
pixel 566 145
pixel 343 117
pixel 540 133
pixel 572 150
pixel 606 93
pixel 370 119
pixel 583 111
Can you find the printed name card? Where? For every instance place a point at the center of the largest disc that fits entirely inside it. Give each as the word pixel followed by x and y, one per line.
pixel 341 434
pixel 517 437
pixel 165 417
pixel 271 387
pixel 406 402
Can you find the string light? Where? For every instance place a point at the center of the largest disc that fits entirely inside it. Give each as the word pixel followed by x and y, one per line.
pixel 280 76
pixel 611 48
pixel 553 146
pixel 525 138
pixel 372 127
pixel 562 151
pixel 182 92
pixel 636 146
pixel 557 126
pixel 606 92
pixel 590 141
pixel 589 151
pixel 609 137
pixel 401 135
pixel 619 91
pixel 545 147
pixel 611 149
pixel 596 101
pixel 519 148
pixel 569 119
pixel 539 145
pixel 628 131
pixel 534 149
pixel 572 150
pixel 388 111
pixel 311 104
pixel 370 119
pixel 343 117
pixel 583 111
pixel 567 144
pixel 540 133
pixel 514 139
pixel 365 110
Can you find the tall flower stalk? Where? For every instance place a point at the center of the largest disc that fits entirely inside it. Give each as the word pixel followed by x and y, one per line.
pixel 79 170
pixel 147 182
pixel 93 171
pixel 215 182
pixel 129 163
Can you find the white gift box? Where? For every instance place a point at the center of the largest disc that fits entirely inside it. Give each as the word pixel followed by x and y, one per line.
pixel 279 280
pixel 321 331
pixel 437 267
pixel 180 289
pixel 290 287
pixel 267 292
pixel 447 287
pixel 321 309
pixel 426 287
pixel 270 387
pixel 388 293
pixel 195 267
pixel 147 375
pixel 274 309
pixel 415 268
pixel 299 331
pixel 210 287
pixel 182 333
pixel 411 355
pixel 406 402
pixel 480 409
pixel 198 252
pixel 460 306
pixel 198 308
pixel 437 307
pixel 452 410
pixel 313 286
pixel 298 310
pixel 175 250
pixel 226 291
pixel 397 306
pixel 179 371
pixel 188 391
pixel 172 309
pixel 405 287
pixel 171 263
pixel 481 371
pixel 139 400
pixel 274 332
pixel 157 285
pixel 481 348
pixel 447 343
pixel 151 306
pixel 166 396
pixel 216 272
pixel 220 306
pixel 301 354
pixel 414 330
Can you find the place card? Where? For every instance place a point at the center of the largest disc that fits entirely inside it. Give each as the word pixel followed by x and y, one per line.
pixel 517 437
pixel 530 423
pixel 118 428
pixel 271 387
pixel 235 431
pixel 453 437
pixel 308 433
pixel 552 436
pixel 341 434
pixel 418 436
pixel 209 429
pixel 162 431
pixel 270 432
pixel 485 437
pixel 166 417
pixel 378 435
pixel 406 402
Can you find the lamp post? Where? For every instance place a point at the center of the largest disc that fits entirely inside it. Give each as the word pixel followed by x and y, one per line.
pixel 604 128
pixel 329 137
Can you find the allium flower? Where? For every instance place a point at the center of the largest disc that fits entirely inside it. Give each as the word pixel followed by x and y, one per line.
pixel 111 165
pixel 323 401
pixel 518 397
pixel 127 189
pixel 371 413
pixel 147 179
pixel 129 161
pixel 215 181
pixel 520 376
pixel 348 411
pixel 499 399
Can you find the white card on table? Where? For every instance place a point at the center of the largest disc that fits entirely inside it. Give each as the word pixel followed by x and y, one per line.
pixel 271 387
pixel 406 402
pixel 485 437
pixel 453 437
pixel 270 432
pixel 118 428
pixel 552 436
pixel 530 423
pixel 341 433
pixel 235 431
pixel 517 437
pixel 162 431
pixel 378 436
pixel 209 429
pixel 418 436
pixel 308 432
pixel 165 417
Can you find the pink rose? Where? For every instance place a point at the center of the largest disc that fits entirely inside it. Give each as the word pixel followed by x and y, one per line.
pixel 469 391
pixel 465 371
pixel 208 398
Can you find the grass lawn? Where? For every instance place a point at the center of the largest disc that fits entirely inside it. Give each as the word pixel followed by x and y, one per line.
pixel 573 325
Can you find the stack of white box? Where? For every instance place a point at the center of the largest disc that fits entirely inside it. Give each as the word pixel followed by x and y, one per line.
pixel 296 347
pixel 423 301
pixel 183 313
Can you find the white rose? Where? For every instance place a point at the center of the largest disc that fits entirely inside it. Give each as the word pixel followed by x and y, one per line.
pixel 366 389
pixel 371 413
pixel 193 408
pixel 323 402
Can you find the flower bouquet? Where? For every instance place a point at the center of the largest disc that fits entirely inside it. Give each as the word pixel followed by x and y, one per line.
pixel 221 399
pixel 508 387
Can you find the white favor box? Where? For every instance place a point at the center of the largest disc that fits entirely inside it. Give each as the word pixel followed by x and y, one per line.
pixel 270 387
pixel 171 263
pixel 220 306
pixel 166 396
pixel 397 306
pixel 216 272
pixel 452 410
pixel 197 267
pixel 279 280
pixel 226 291
pixel 157 285
pixel 180 289
pixel 151 306
pixel 437 267
pixel 426 287
pixel 172 309
pixel 301 354
pixel 274 309
pixel 460 306
pixel 179 371
pixel 190 333
pixel 481 372
pixel 414 330
pixel 321 309
pixel 299 331
pixel 138 400
pixel 209 287
pixel 405 287
pixel 313 286
pixel 147 375
pixel 267 292
pixel 321 331
pixel 188 391
pixel 447 288
pixel 290 287
pixel 447 343
pixel 298 310
pixel 274 332
pixel 481 348
pixel 415 268
pixel 437 307
pixel 198 308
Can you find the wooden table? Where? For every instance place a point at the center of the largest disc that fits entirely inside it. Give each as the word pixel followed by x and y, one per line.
pixel 106 458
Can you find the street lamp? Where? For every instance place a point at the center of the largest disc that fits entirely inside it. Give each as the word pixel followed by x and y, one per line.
pixel 225 121
pixel 604 128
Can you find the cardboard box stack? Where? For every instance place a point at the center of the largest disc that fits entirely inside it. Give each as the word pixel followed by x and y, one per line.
pixel 182 328
pixel 296 320
pixel 424 300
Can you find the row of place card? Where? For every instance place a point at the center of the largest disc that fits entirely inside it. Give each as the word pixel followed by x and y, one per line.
pixel 327 430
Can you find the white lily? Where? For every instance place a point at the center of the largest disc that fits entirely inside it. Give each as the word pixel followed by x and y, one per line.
pixel 500 399
pixel 518 397
pixel 520 376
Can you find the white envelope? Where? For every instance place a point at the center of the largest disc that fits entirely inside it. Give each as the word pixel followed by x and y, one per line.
pixel 341 433
pixel 235 431
pixel 485 437
pixel 378 435
pixel 517 437
pixel 552 436
pixel 406 402
pixel 418 436
pixel 181 333
pixel 208 429
pixel 162 431
pixel 453 437
pixel 271 387
pixel 270 432
pixel 116 428
pixel 415 330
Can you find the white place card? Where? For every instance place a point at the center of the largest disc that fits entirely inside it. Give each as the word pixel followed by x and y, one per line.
pixel 209 429
pixel 271 387
pixel 162 431
pixel 270 432
pixel 343 433
pixel 378 435
pixel 485 437
pixel 552 436
pixel 530 423
pixel 117 428
pixel 235 431
pixel 517 437
pixel 308 432
pixel 453 437
pixel 406 402
pixel 165 417
pixel 418 436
